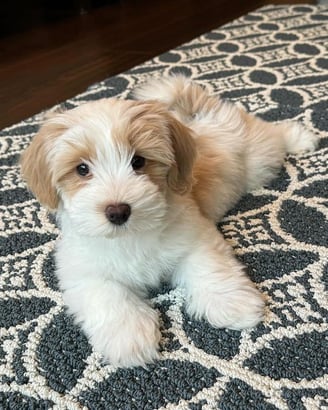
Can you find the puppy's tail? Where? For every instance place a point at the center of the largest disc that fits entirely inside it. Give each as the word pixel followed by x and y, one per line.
pixel 178 93
pixel 297 138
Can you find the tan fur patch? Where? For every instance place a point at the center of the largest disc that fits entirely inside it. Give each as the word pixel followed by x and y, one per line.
pixel 66 175
pixel 148 132
pixel 149 136
pixel 167 144
pixel 157 173
pixel 35 167
pixel 208 174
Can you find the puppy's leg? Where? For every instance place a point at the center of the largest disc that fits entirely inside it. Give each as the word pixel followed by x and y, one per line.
pixel 267 145
pixel 216 286
pixel 119 324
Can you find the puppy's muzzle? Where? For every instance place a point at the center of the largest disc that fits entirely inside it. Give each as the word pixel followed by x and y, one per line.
pixel 118 214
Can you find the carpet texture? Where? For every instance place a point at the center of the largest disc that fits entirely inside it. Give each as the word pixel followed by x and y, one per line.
pixel 274 62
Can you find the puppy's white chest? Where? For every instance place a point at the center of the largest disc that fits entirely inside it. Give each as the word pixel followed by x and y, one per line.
pixel 139 261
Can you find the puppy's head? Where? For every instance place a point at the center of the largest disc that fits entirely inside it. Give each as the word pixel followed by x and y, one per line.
pixel 109 165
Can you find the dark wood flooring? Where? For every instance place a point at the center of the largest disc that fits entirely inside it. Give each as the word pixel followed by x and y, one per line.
pixel 45 65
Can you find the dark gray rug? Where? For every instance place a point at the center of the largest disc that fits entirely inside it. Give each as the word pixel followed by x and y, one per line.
pixel 273 61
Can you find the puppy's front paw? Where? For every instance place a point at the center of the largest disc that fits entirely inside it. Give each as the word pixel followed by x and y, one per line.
pixel 240 308
pixel 130 341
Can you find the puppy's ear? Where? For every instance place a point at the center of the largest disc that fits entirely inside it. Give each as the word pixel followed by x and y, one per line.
pixel 36 167
pixel 180 177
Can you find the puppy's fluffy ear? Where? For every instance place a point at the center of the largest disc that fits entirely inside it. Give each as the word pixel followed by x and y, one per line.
pixel 35 166
pixel 180 177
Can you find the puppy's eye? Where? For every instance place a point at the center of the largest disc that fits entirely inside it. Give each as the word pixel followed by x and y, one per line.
pixel 138 162
pixel 83 169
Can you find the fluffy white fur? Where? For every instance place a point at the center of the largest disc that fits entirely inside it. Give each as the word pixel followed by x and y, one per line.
pixel 201 155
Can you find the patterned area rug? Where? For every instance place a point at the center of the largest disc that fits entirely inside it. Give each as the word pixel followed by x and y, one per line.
pixel 274 62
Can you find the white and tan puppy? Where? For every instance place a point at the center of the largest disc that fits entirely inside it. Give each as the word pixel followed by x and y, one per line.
pixel 137 187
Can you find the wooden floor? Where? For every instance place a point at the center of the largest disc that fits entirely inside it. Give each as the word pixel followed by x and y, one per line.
pixel 52 62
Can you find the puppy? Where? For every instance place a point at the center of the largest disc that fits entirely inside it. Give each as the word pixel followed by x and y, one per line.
pixel 137 187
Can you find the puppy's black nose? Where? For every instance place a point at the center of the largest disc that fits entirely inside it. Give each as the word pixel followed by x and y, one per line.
pixel 118 214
